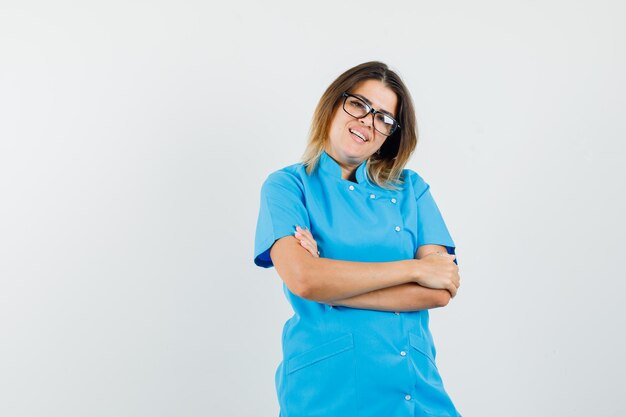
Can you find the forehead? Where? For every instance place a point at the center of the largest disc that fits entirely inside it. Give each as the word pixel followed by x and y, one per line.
pixel 380 96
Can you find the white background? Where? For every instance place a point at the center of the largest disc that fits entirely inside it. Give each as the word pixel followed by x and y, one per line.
pixel 134 137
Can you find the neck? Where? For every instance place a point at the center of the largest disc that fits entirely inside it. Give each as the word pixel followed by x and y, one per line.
pixel 348 168
pixel 348 174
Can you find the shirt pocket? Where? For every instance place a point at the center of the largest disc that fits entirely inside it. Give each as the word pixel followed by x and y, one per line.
pixel 424 354
pixel 433 400
pixel 321 381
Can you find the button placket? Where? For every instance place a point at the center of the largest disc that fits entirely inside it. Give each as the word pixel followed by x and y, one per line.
pixel 394 201
pixel 386 200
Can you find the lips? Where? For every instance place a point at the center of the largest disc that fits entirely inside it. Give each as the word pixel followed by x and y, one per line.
pixel 362 136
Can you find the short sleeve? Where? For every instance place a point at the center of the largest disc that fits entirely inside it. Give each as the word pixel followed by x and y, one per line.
pixel 431 228
pixel 282 208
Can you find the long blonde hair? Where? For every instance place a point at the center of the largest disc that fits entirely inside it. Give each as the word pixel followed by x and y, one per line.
pixel 384 168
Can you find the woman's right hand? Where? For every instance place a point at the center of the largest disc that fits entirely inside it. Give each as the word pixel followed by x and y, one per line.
pixel 438 271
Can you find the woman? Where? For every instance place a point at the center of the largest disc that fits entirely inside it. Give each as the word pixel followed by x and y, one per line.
pixel 358 343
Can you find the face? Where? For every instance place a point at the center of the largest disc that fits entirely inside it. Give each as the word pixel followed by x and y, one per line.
pixel 344 144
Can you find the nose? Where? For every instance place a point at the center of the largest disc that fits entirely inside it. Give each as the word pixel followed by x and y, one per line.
pixel 367 120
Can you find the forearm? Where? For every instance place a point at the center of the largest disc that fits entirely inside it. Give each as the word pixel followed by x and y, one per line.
pixel 404 297
pixel 332 280
pixel 327 280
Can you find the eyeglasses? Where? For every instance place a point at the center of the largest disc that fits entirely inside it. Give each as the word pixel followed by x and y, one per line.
pixel 358 108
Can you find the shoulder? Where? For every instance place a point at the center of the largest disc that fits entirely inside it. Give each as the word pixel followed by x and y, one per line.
pixel 289 177
pixel 414 181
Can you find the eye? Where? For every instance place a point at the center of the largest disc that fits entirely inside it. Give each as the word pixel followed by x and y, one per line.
pixel 357 103
pixel 384 118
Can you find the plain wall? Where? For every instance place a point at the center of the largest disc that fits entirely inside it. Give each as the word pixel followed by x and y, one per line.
pixel 134 138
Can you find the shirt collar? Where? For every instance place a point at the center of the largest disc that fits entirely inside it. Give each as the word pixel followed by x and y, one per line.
pixel 327 164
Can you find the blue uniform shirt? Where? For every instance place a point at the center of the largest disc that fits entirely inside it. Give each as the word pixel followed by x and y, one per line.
pixel 348 362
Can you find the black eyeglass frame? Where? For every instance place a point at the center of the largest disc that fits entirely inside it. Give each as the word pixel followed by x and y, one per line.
pixel 371 110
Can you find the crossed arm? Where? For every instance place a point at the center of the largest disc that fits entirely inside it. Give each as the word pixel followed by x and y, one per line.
pixel 404 297
pixel 386 286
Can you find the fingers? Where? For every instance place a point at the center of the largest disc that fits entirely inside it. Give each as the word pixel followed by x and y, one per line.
pixel 450 256
pixel 306 245
pixel 443 274
pixel 307 241
pixel 455 284
pixel 307 233
pixel 452 289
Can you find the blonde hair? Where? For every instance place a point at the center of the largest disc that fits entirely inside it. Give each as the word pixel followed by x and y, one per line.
pixel 383 168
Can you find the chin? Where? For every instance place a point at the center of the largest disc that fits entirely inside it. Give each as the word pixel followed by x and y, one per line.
pixel 354 152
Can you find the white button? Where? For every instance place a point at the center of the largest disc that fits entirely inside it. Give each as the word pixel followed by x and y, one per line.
pixel 351 187
pixel 393 200
pixel 407 397
pixel 372 196
pixel 397 313
pixel 403 353
pixel 397 229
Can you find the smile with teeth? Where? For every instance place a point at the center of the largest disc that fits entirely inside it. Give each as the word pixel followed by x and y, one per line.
pixel 359 135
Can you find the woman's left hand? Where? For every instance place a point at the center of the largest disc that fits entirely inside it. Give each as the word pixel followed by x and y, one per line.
pixel 306 241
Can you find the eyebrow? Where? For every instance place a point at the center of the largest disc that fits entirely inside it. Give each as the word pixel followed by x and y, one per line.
pixel 365 99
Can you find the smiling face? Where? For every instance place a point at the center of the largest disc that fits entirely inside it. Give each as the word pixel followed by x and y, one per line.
pixel 351 141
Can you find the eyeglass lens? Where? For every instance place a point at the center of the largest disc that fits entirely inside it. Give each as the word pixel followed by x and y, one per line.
pixel 356 107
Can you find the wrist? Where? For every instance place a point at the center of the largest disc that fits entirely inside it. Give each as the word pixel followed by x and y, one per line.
pixel 416 270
